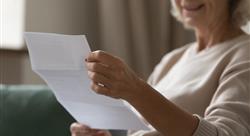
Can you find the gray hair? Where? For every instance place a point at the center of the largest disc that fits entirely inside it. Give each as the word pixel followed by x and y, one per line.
pixel 239 11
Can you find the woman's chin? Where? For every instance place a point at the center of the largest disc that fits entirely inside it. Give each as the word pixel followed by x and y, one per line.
pixel 191 23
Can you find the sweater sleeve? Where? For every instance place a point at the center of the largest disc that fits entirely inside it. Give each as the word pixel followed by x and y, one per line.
pixel 229 111
pixel 159 71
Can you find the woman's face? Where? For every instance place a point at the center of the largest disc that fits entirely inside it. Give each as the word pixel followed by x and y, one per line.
pixel 202 13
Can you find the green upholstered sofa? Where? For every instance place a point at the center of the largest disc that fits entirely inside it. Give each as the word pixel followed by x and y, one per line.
pixel 32 110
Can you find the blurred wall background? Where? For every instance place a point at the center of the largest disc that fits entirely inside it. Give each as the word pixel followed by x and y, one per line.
pixel 138 31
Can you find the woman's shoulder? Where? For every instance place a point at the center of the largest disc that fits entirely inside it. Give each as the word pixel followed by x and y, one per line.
pixel 240 51
pixel 238 57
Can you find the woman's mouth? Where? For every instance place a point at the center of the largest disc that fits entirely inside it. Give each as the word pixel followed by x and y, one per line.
pixel 191 9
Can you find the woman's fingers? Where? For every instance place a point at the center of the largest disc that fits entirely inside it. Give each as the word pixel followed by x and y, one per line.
pixel 99 88
pixel 77 129
pixel 111 76
pixel 105 64
pixel 99 68
pixel 100 79
pixel 102 57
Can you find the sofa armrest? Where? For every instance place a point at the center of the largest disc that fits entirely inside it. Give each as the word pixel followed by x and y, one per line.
pixel 32 111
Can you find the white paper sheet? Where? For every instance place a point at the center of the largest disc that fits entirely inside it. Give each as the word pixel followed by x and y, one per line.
pixel 59 60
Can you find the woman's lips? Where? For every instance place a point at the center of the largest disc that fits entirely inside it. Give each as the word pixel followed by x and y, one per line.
pixel 193 7
pixel 190 10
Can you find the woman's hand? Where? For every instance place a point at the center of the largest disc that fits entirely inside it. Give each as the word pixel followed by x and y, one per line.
pixel 112 77
pixel 77 129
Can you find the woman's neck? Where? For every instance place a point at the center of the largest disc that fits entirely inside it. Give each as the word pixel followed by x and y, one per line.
pixel 211 36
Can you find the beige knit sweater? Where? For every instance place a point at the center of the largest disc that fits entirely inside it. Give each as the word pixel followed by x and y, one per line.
pixel 213 84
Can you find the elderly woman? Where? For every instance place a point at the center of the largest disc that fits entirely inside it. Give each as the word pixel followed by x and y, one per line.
pixel 201 89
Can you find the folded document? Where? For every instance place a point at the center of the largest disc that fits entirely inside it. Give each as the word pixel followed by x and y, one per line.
pixel 59 61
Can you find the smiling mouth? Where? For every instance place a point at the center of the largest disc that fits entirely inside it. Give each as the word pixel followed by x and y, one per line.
pixel 192 8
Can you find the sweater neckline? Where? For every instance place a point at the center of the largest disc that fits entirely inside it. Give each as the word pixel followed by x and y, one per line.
pixel 218 46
